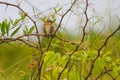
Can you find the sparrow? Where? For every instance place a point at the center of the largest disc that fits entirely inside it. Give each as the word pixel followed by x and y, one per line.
pixel 48 28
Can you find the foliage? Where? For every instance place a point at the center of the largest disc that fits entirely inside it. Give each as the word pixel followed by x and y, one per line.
pixel 93 56
pixel 55 59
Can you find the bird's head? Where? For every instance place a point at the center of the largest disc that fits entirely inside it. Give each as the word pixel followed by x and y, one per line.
pixel 48 22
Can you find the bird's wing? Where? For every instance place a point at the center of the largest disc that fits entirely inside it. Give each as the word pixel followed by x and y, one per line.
pixel 44 30
pixel 51 30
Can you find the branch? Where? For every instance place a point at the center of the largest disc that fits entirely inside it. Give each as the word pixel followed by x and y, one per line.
pixel 17 6
pixel 69 59
pixel 78 43
pixel 59 25
pixel 102 73
pixel 73 43
pixel 111 76
pixel 86 16
pixel 18 39
pixel 99 50
pixel 76 49
pixel 37 32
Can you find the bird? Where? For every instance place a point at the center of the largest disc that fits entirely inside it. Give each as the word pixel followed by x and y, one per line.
pixel 48 28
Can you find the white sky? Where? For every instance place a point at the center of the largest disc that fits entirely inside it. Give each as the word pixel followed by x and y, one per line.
pixel 100 6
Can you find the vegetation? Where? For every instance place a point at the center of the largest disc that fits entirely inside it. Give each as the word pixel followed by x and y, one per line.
pixel 86 56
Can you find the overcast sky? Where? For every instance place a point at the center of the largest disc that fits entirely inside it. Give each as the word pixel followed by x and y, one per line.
pixel 99 6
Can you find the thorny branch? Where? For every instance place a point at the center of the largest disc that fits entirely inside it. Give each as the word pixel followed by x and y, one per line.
pixel 99 50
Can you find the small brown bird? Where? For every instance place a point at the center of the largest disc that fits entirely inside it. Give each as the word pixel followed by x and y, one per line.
pixel 48 28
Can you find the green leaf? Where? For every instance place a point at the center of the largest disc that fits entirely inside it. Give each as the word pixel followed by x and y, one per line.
pixel 59 9
pixel 11 21
pixel 53 16
pixel 31 29
pixel 76 56
pixel 26 28
pixel 63 60
pixel 50 57
pixel 3 28
pixel 25 32
pixel 116 70
pixel 15 31
pixel 0 26
pixel 55 71
pixel 7 28
pixel 100 63
pixel 54 20
pixel 108 59
pixel 22 15
pixel 16 22
pixel 84 56
pixel 43 19
pixel 55 10
pixel 47 77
